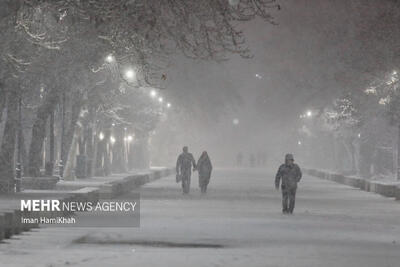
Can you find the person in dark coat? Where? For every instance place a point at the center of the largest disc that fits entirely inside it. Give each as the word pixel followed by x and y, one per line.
pixel 204 167
pixel 290 174
pixel 184 169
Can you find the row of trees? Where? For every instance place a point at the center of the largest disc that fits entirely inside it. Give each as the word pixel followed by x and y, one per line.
pixel 71 70
pixel 360 132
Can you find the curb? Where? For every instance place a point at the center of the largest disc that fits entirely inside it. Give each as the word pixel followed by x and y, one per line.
pixel 391 190
pixel 126 184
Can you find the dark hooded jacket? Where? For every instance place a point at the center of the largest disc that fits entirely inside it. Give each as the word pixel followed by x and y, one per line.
pixel 290 174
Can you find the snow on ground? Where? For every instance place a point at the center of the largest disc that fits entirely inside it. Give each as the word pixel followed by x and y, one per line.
pixel 238 223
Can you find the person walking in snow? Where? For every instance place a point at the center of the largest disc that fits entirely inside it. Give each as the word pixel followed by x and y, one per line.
pixel 204 167
pixel 290 174
pixel 184 169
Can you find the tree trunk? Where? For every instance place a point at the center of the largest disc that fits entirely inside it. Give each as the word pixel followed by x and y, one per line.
pixel 7 151
pixel 73 149
pixel 398 153
pixel 38 132
pixel 100 151
pixel 2 101
pixel 69 134
pixel 336 164
pixel 350 151
pixel 366 153
pixel 107 153
pixel 90 143
pixel 93 153
pixel 357 157
pixel 24 152
pixel 118 163
pixel 93 162
pixel 52 144
pixel 62 137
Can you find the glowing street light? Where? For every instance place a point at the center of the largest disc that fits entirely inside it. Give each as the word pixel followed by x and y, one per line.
pixel 299 143
pixel 160 99
pixel 112 139
pixel 235 121
pixel 110 58
pixel 168 105
pixel 258 76
pixel 101 136
pixel 130 74
pixel 128 138
pixel 307 114
pixel 153 93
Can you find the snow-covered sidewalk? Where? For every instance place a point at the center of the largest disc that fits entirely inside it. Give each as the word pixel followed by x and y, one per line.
pixel 80 190
pixel 386 187
pixel 238 223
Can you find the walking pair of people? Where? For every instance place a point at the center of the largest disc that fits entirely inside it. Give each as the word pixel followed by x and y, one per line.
pixel 184 170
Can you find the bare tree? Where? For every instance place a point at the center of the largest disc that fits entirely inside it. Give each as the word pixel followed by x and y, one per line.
pixel 61 44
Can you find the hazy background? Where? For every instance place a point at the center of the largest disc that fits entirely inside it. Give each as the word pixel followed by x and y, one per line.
pixel 317 50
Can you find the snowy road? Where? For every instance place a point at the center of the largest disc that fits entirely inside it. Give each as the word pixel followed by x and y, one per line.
pixel 238 223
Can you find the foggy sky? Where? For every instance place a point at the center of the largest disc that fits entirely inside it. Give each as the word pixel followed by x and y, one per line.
pixel 318 50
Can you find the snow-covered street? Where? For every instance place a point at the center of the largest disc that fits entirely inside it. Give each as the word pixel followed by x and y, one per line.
pixel 238 223
pixel 106 104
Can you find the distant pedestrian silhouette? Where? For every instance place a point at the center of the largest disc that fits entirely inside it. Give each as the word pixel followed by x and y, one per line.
pixel 184 169
pixel 204 167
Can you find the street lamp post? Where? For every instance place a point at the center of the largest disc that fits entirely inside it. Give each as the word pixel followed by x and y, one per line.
pixel 49 165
